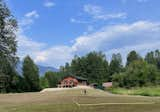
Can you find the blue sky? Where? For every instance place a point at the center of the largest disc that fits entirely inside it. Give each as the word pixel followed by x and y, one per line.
pixel 53 31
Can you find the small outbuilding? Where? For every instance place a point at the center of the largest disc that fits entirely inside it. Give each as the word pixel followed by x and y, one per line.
pixel 72 81
pixel 107 84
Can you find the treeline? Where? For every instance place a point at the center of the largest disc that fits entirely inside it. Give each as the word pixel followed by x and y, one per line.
pixel 137 71
pixel 11 81
pixel 95 67
pixel 51 79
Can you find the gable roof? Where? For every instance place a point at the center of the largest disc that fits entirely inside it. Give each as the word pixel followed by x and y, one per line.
pixel 80 78
pixel 76 77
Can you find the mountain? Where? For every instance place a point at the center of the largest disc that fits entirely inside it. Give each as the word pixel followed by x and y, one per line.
pixel 42 69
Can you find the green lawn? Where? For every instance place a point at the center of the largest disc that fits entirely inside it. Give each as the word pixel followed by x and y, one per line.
pixel 64 101
pixel 144 91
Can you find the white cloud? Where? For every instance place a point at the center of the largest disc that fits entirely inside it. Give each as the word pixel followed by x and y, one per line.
pixel 27 46
pixel 52 56
pixel 32 14
pixel 141 36
pixel 26 22
pixel 49 4
pixel 55 56
pixel 93 9
pixel 28 19
pixel 111 16
pixel 110 36
pixel 140 48
pixel 73 20
pixel 98 12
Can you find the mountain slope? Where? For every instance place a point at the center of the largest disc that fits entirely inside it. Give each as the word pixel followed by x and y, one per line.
pixel 42 69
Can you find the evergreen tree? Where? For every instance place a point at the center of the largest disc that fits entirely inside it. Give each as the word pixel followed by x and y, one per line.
pixel 93 66
pixel 8 45
pixel 150 58
pixel 153 58
pixel 157 55
pixel 115 65
pixel 78 66
pixel 96 68
pixel 67 69
pixel 132 56
pixel 31 74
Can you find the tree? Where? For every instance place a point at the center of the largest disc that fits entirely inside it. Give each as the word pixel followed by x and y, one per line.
pixel 150 58
pixel 97 67
pixel 153 58
pixel 51 78
pixel 17 84
pixel 93 66
pixel 67 69
pixel 139 73
pixel 31 74
pixel 157 55
pixel 44 82
pixel 78 66
pixel 132 56
pixel 8 45
pixel 115 65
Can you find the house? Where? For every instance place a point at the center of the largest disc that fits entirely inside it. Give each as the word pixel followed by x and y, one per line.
pixel 72 81
pixel 107 84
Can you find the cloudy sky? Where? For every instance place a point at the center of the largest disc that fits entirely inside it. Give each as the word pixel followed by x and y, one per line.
pixel 53 31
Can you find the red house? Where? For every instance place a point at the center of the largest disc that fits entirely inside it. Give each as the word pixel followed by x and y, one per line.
pixel 72 81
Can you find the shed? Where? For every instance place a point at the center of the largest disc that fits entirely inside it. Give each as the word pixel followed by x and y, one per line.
pixel 107 84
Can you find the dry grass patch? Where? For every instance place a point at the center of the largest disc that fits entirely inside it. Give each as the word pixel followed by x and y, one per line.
pixel 62 101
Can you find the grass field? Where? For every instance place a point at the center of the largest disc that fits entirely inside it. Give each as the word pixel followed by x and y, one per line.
pixel 75 101
pixel 144 91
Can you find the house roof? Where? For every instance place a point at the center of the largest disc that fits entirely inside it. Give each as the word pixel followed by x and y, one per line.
pixel 107 84
pixel 77 77
pixel 80 78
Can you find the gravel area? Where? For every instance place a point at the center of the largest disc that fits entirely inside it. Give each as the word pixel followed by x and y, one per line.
pixel 61 89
